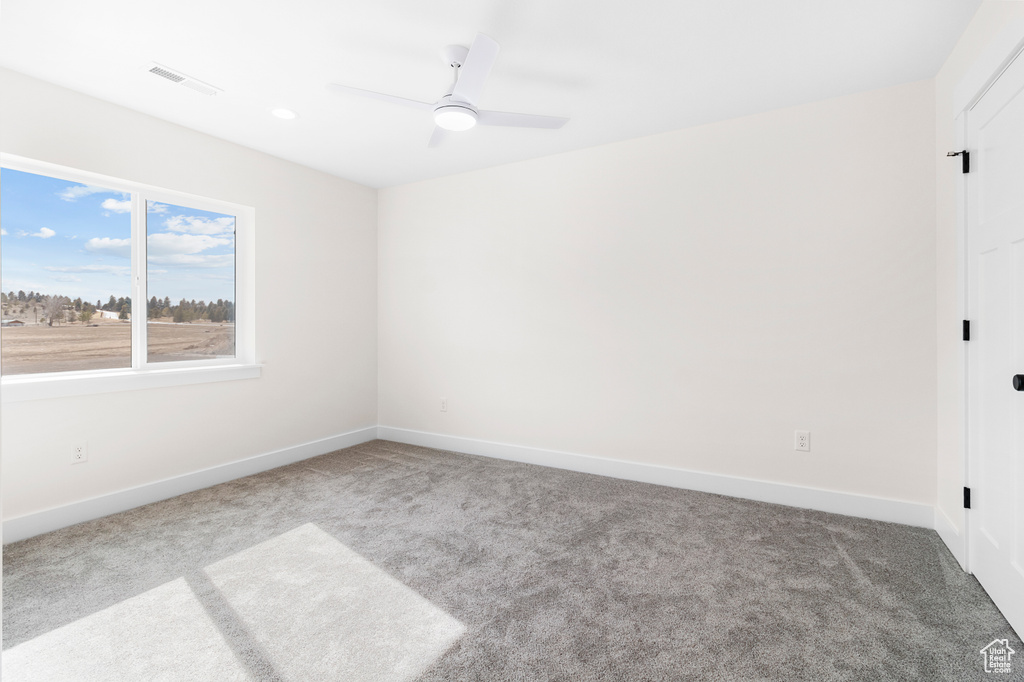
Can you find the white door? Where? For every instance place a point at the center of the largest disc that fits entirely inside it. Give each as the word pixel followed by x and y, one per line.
pixel 995 244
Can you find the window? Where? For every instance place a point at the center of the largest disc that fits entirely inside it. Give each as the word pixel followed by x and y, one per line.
pixel 110 285
pixel 67 297
pixel 191 260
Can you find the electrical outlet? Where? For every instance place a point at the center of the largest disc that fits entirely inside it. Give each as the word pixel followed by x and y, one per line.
pixel 802 441
pixel 444 404
pixel 79 454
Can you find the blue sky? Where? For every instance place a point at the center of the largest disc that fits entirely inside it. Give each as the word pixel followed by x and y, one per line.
pixel 62 237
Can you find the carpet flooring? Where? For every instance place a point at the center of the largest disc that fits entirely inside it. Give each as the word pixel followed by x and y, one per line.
pixel 394 562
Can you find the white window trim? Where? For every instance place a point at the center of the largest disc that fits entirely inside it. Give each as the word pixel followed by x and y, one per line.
pixel 142 374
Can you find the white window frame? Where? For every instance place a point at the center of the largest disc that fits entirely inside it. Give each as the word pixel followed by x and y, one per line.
pixel 144 374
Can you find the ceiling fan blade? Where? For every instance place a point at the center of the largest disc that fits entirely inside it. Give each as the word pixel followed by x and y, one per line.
pixel 439 136
pixel 349 90
pixel 473 74
pixel 501 118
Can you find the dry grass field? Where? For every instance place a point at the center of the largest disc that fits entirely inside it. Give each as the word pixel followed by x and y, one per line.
pixel 106 344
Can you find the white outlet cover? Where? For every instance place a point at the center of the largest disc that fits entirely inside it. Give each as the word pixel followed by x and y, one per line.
pixel 77 458
pixel 802 441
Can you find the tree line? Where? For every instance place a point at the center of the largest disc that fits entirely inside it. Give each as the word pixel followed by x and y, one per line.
pixel 59 309
pixel 187 311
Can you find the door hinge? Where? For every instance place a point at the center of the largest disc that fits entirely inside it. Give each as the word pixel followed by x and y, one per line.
pixel 966 159
pixel 967 498
pixel 967 330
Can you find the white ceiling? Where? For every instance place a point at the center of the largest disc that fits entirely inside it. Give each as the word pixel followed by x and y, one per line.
pixel 619 69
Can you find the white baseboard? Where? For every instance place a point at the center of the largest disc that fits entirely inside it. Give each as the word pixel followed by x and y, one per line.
pixel 863 506
pixel 954 540
pixel 67 515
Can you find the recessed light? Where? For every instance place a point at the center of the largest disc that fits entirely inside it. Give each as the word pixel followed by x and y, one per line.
pixel 284 113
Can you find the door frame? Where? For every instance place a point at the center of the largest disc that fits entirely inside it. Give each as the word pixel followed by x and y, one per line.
pixel 1002 51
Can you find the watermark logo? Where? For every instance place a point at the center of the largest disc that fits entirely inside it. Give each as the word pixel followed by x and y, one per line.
pixel 997 656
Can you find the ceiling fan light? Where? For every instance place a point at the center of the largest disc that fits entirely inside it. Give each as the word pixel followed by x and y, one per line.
pixel 454 118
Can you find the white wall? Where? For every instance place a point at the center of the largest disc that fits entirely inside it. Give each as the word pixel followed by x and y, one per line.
pixel 686 300
pixel 990 21
pixel 316 314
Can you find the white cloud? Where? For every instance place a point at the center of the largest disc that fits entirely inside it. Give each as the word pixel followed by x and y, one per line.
pixel 91 269
pixel 117 206
pixel 76 192
pixel 154 207
pixel 164 244
pixel 197 225
pixel 114 247
pixel 2 231
pixel 43 233
pixel 66 278
pixel 163 248
pixel 194 261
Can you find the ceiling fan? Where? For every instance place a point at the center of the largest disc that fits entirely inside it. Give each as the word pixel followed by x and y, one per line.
pixel 456 110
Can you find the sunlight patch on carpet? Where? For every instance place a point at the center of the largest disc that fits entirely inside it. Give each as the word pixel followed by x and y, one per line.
pixel 321 611
pixel 162 634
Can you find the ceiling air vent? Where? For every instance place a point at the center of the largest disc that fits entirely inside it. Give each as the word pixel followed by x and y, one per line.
pixel 182 79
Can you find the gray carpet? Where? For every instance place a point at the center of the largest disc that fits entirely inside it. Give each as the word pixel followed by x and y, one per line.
pixel 394 562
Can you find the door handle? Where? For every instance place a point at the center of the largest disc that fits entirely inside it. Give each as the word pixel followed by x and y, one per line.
pixel 1018 382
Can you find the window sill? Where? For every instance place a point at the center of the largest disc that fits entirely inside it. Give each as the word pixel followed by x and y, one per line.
pixel 15 389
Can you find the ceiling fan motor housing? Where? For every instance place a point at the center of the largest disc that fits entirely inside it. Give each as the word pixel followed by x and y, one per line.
pixel 454 116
